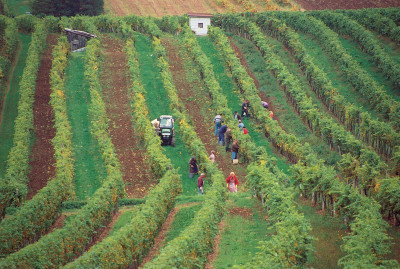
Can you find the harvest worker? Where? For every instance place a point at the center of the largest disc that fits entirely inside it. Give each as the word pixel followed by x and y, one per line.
pixel 245 108
pixel 241 125
pixel 235 150
pixel 245 130
pixel 212 156
pixel 232 182
pixel 156 124
pixel 193 167
pixel 200 184
pixel 222 131
pixel 217 121
pixel 228 139
pixel 235 116
pixel 264 104
pixel 271 114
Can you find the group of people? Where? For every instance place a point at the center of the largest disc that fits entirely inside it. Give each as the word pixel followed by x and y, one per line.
pixel 246 106
pixel 225 135
pixel 225 138
pixel 232 182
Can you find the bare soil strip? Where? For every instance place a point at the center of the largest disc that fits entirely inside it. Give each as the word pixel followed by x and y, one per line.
pixel 346 4
pixel 136 171
pixel 42 156
pixel 261 94
pixel 194 102
pixel 160 239
pixel 211 257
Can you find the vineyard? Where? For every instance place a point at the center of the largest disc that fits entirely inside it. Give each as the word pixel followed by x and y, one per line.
pixel 86 183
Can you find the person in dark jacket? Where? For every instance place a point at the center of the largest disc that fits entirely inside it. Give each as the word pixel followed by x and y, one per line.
pixel 235 149
pixel 222 131
pixel 245 108
pixel 193 169
pixel 228 139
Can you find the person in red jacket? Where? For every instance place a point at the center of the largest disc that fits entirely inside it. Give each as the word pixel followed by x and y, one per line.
pixel 200 184
pixel 232 182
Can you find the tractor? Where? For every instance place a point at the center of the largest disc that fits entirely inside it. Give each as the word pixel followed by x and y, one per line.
pixel 166 130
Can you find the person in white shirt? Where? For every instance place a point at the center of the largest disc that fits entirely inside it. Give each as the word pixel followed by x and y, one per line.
pixel 218 121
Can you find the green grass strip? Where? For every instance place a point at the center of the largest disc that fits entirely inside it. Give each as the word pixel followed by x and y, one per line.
pixel 15 189
pixel 366 62
pixel 159 104
pixel 288 117
pixel 18 7
pixel 36 217
pixel 234 102
pixel 89 167
pixel 10 108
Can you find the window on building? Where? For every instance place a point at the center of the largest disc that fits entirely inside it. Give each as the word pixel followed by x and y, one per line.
pixel 200 25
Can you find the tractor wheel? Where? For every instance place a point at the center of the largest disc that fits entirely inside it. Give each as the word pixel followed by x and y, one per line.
pixel 173 142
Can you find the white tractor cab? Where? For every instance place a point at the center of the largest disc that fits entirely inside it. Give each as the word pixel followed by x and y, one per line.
pixel 164 127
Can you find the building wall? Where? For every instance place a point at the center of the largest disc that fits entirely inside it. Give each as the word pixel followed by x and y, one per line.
pixel 194 23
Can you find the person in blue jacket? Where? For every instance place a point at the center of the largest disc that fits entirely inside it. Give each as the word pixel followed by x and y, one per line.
pixel 221 134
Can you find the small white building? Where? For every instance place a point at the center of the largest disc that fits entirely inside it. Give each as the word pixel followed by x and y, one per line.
pixel 199 22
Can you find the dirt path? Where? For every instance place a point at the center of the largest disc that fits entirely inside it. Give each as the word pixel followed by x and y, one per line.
pixel 160 239
pixel 137 175
pixel 212 256
pixel 194 101
pixel 261 94
pixel 42 155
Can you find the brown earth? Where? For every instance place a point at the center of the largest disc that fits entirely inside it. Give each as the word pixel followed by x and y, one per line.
pixel 136 171
pixel 59 223
pixel 261 94
pixel 105 231
pixel 212 256
pixel 42 155
pixel 346 4
pixel 245 213
pixel 195 101
pixel 194 98
pixel 160 239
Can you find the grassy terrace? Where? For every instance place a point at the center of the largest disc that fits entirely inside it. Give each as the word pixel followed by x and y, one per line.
pixel 240 242
pixel 322 60
pixel 367 63
pixel 325 228
pixel 231 92
pixel 288 118
pixel 158 104
pixel 89 168
pixel 10 107
pixel 19 7
pixel 245 224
